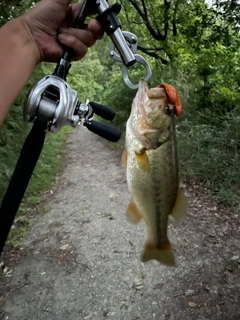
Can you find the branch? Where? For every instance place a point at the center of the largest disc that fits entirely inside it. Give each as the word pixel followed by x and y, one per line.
pixel 144 15
pixel 174 23
pixel 128 19
pixel 166 11
pixel 154 49
pixel 151 53
pixel 144 8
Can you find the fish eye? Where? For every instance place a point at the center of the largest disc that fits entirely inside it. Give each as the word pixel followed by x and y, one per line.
pixel 169 109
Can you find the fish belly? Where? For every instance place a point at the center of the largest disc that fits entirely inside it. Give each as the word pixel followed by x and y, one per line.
pixel 154 192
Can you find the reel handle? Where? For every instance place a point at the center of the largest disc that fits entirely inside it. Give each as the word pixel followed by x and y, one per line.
pixel 103 111
pixel 103 130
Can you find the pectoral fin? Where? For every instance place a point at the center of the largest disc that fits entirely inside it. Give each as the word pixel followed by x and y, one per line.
pixel 143 161
pixel 132 213
pixel 180 207
pixel 124 159
pixel 163 255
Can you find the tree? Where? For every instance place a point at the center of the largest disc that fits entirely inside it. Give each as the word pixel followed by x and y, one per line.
pixel 159 24
pixel 13 8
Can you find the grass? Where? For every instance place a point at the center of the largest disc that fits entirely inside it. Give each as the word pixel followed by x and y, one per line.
pixel 47 167
pixel 208 140
pixel 42 179
pixel 209 146
pixel 209 154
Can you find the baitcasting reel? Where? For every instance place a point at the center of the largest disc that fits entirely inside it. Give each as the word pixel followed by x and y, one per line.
pixel 55 104
pixel 52 104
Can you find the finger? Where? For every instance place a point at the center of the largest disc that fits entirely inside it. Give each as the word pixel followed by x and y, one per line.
pixel 96 29
pixel 84 36
pixel 79 47
pixel 93 26
pixel 72 15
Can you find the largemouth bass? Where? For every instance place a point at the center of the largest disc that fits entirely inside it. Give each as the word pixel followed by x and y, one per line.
pixel 151 164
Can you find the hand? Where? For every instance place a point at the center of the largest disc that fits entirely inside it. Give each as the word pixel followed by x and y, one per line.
pixel 48 25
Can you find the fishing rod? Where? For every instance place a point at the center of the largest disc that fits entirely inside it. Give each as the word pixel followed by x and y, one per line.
pixel 52 104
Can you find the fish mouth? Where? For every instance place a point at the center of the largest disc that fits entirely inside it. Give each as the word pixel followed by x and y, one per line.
pixel 143 85
pixel 142 90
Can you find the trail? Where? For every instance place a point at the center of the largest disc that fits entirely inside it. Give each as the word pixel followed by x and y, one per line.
pixel 81 259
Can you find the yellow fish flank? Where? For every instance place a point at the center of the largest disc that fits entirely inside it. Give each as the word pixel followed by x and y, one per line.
pixel 151 164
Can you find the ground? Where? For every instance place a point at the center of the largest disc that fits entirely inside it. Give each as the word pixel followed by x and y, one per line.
pixel 81 259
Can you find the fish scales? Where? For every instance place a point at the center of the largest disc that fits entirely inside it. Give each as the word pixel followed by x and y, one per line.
pixel 151 166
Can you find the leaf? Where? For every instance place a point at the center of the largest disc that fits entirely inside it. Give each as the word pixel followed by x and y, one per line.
pixel 64 247
pixel 192 304
pixel 189 292
pixel 138 283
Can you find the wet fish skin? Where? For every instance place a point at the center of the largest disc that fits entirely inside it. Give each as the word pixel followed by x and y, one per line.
pixel 151 165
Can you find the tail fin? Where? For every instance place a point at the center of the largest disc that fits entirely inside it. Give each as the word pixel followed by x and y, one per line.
pixel 163 255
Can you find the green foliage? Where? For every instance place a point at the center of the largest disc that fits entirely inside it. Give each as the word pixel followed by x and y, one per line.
pixel 194 47
pixel 13 133
pixel 203 64
pixel 13 8
pixel 83 78
pixel 118 96
pixel 210 154
pixel 47 167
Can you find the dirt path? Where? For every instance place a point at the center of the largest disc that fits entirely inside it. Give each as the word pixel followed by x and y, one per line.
pixel 81 259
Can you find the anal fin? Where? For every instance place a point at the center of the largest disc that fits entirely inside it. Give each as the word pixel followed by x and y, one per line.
pixel 164 255
pixel 180 208
pixel 132 213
